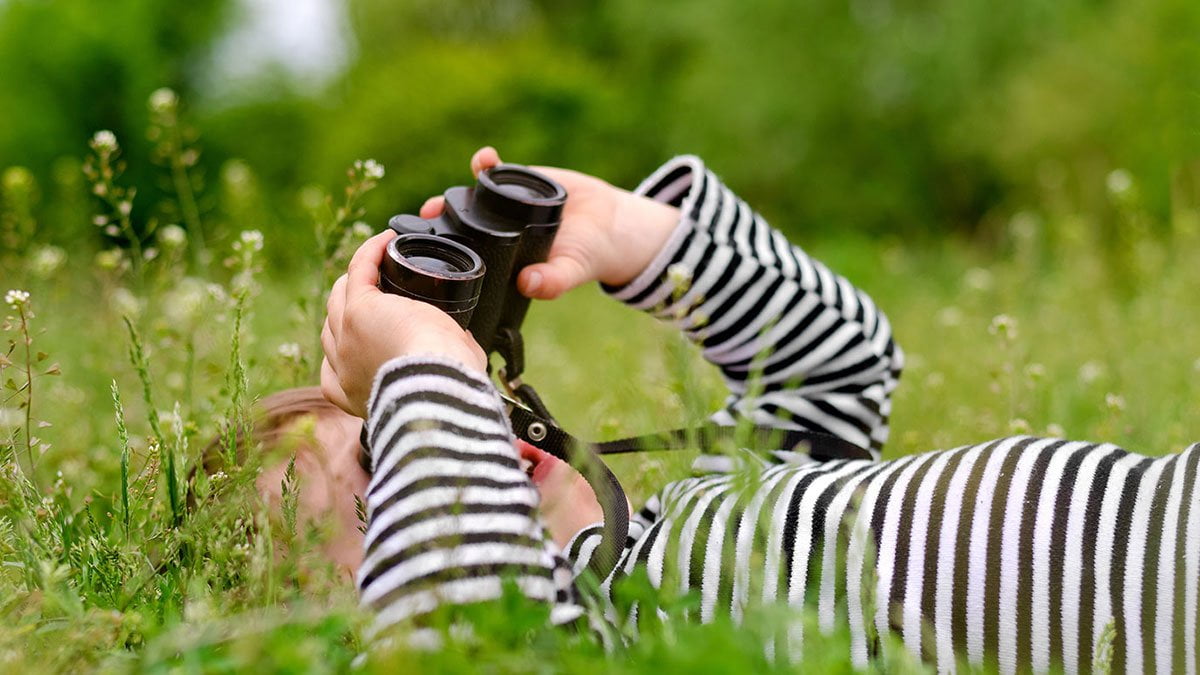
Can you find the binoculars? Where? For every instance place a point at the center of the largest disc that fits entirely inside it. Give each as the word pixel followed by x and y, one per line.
pixel 465 261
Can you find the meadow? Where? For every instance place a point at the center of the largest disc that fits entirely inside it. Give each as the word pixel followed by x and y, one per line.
pixel 120 365
pixel 1016 184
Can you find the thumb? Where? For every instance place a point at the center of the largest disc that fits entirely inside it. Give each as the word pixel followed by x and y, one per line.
pixel 548 280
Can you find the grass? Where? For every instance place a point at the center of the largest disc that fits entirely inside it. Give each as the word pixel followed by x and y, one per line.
pixel 1073 321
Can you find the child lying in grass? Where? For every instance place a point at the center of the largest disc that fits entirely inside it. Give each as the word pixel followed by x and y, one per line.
pixel 1017 553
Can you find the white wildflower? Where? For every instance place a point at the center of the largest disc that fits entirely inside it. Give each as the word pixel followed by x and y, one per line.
pixel 47 260
pixel 1091 371
pixel 1055 431
pixel 163 100
pixel 112 230
pixel 104 141
pixel 978 279
pixel 1004 326
pixel 150 253
pixel 251 240
pixel 361 230
pixel 217 292
pixel 370 168
pixel 125 207
pixel 125 302
pixel 172 236
pixel 679 274
pixel 100 221
pixel 1035 371
pixel 1024 225
pixel 185 303
pixel 236 172
pixel 1019 425
pixel 289 351
pixel 1119 182
pixel 1114 402
pixel 16 298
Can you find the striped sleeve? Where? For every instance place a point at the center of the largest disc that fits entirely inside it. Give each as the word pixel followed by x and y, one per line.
pixel 1020 554
pixel 450 514
pixel 814 350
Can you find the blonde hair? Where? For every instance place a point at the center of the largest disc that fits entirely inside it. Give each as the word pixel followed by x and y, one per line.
pixel 272 419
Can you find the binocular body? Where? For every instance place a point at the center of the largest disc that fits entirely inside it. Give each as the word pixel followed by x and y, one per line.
pixel 466 260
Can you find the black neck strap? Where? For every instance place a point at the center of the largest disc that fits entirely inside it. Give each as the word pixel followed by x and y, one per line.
pixel 531 422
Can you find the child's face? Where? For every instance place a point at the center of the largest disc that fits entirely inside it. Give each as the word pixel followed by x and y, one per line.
pixel 330 477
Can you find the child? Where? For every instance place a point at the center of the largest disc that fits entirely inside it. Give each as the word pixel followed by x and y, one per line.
pixel 1017 553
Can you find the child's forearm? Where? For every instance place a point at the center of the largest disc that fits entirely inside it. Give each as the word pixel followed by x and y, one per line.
pixel 450 512
pixel 766 313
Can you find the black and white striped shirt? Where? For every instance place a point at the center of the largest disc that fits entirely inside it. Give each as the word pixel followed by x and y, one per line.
pixel 1018 553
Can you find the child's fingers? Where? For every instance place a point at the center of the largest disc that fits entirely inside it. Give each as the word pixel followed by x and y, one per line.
pixel 363 273
pixel 328 342
pixel 336 302
pixel 548 280
pixel 433 207
pixel 331 387
pixel 483 159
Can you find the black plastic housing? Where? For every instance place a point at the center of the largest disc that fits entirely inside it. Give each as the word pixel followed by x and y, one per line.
pixel 509 219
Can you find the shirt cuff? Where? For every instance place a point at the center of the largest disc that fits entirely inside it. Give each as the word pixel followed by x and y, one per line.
pixel 673 183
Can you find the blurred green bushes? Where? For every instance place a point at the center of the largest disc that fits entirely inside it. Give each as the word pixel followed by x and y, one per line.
pixel 877 116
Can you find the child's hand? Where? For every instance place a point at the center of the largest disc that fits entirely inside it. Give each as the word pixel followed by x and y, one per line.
pixel 365 328
pixel 607 234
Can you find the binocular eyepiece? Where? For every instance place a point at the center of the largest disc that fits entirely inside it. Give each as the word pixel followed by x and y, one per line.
pixel 465 261
pixel 436 270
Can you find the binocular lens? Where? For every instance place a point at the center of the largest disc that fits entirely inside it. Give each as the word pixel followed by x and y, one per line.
pixel 435 265
pixel 522 185
pixel 435 270
pixel 516 195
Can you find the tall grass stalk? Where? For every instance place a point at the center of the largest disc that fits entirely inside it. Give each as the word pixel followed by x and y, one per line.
pixel 236 383
pixel 137 358
pixel 123 436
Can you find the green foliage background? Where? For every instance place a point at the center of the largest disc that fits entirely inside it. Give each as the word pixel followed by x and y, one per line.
pixel 1017 184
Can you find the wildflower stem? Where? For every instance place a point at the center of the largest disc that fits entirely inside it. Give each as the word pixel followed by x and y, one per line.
pixel 28 340
pixel 135 244
pixel 189 371
pixel 187 201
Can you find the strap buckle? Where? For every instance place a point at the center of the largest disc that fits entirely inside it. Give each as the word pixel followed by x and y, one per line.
pixel 511 385
pixel 511 403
